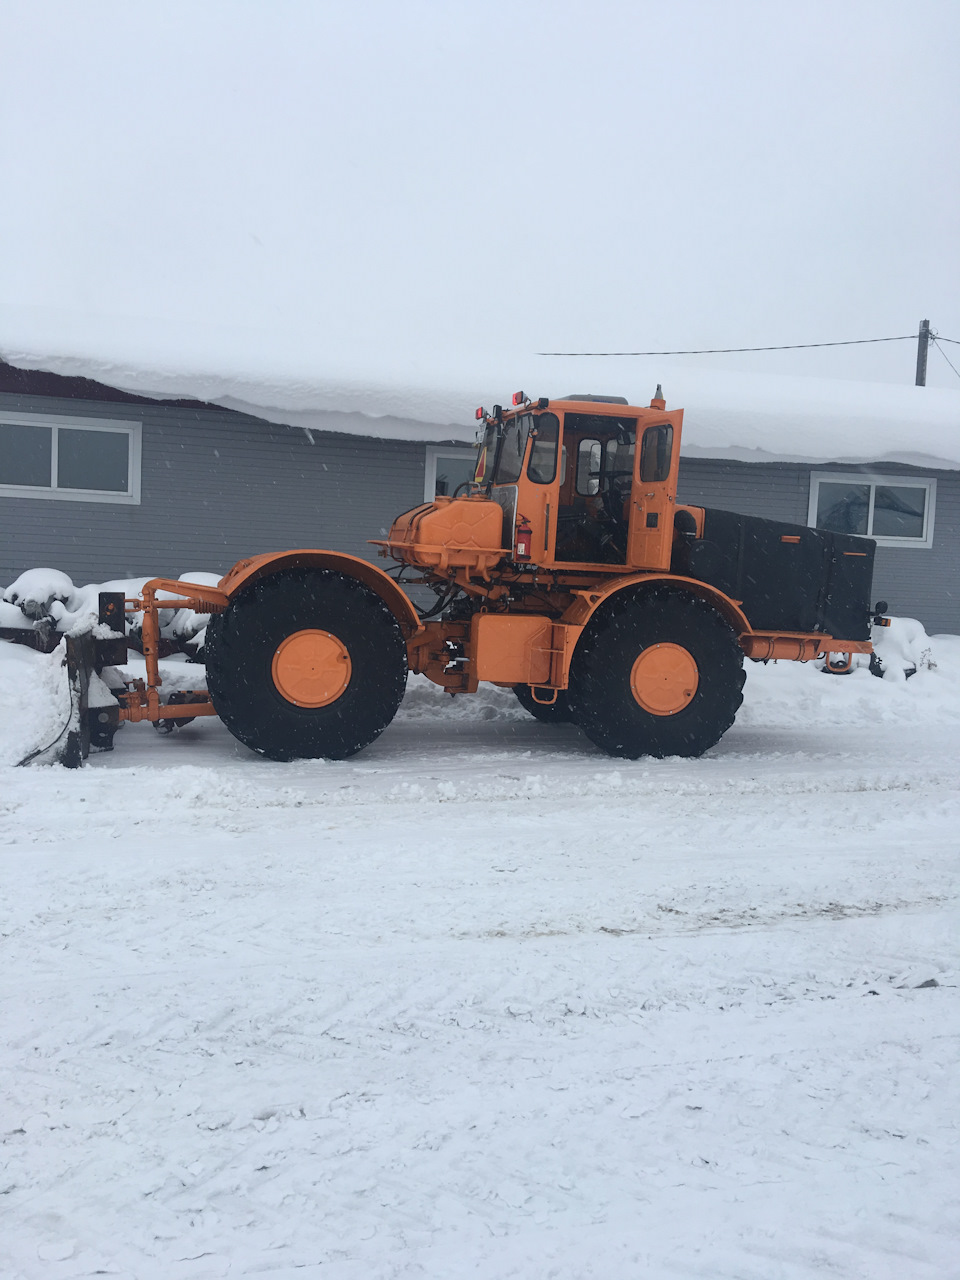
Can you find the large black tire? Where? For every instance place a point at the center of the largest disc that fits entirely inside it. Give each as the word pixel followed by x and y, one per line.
pixel 547 713
pixel 602 697
pixel 239 653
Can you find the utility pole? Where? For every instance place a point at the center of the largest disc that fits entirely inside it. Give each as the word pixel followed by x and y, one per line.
pixel 923 341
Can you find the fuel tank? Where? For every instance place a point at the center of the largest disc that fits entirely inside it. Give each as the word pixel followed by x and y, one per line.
pixel 449 533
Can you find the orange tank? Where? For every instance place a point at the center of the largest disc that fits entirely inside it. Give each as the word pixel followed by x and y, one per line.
pixel 449 533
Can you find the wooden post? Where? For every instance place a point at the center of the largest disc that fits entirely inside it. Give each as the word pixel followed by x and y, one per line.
pixel 923 341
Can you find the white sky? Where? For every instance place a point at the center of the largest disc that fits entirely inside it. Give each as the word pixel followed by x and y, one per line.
pixel 323 190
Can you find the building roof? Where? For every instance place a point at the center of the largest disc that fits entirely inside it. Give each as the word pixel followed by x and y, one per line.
pixel 749 417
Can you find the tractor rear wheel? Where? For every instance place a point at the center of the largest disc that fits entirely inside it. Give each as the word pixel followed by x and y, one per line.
pixel 305 664
pixel 546 712
pixel 657 673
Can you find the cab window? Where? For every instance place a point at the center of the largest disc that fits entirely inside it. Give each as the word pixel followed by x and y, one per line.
pixel 656 453
pixel 542 467
pixel 486 455
pixel 512 448
pixel 588 467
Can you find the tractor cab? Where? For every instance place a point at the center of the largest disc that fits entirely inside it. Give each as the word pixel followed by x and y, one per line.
pixel 582 485
pixel 587 482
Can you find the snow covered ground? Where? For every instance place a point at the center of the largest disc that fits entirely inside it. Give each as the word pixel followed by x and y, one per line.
pixel 482 1002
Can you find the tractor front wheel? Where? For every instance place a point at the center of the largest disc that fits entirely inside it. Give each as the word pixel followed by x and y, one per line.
pixel 657 673
pixel 305 664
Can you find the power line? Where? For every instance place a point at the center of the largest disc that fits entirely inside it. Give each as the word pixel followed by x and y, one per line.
pixel 936 343
pixel 955 341
pixel 722 351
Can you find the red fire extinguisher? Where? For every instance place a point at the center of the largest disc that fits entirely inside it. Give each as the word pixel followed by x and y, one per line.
pixel 524 540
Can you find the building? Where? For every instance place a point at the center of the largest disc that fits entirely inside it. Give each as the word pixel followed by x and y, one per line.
pixel 104 482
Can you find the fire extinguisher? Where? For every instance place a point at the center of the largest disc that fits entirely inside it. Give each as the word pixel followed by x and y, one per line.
pixel 524 540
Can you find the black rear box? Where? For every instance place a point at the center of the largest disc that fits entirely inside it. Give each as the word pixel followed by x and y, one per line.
pixel 788 577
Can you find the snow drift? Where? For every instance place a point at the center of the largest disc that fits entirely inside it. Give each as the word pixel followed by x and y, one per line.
pixel 749 417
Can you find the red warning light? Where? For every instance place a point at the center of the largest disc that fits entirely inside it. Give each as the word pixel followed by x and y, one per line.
pixel 481 414
pixel 518 397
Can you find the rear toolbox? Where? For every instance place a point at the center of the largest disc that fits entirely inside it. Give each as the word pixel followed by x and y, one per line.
pixel 788 577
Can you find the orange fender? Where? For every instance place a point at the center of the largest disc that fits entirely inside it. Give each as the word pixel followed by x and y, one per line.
pixel 246 572
pixel 588 601
pixel 793 646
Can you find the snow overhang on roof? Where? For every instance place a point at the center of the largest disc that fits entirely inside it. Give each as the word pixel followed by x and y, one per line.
pixel 747 417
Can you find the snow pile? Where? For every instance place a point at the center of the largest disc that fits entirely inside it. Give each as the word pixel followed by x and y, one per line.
pixel 37 592
pixel 424 701
pixel 47 595
pixel 752 417
pixel 904 647
pixel 34 700
pixel 788 696
pixel 11 616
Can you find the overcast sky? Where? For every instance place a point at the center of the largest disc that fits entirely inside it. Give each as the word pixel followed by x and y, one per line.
pixel 328 189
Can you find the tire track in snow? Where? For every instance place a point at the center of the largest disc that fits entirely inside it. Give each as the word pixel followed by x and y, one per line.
pixel 219 803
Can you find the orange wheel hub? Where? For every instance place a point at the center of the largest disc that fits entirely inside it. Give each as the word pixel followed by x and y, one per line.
pixel 664 679
pixel 311 668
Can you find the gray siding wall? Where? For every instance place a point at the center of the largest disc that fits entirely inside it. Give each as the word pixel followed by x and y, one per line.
pixel 216 487
pixel 917 583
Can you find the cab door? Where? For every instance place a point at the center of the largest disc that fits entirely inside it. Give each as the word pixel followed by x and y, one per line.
pixel 654 496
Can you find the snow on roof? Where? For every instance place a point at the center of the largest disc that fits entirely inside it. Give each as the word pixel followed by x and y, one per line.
pixel 750 417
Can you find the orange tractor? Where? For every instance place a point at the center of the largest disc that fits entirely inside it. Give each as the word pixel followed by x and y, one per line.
pixel 566 570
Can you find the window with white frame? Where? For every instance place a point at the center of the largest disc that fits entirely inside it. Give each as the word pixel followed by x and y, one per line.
pixel 446 469
pixel 897 511
pixel 75 459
